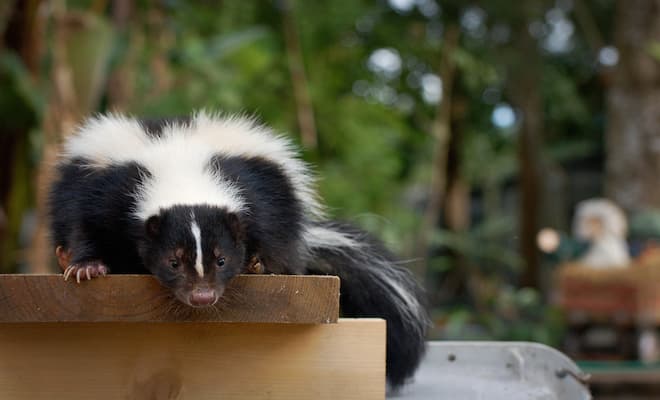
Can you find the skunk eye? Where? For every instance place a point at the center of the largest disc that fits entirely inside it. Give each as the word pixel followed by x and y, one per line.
pixel 174 263
pixel 220 262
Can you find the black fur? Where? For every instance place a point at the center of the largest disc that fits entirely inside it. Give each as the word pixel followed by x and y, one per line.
pixel 155 126
pixel 92 215
pixel 362 295
pixel 274 218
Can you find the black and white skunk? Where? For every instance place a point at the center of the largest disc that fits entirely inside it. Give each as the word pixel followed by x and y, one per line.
pixel 195 201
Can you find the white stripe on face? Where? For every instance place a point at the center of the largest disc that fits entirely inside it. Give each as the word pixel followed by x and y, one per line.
pixel 197 234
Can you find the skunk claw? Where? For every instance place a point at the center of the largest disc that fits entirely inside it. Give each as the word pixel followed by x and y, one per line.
pixel 89 270
pixel 68 271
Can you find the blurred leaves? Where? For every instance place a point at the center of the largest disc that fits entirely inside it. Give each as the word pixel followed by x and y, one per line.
pixel 654 50
pixel 513 314
pixel 480 245
pixel 21 100
pixel 89 41
pixel 374 128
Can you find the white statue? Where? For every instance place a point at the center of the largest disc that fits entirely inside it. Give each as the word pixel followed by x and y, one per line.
pixel 601 224
pixel 604 225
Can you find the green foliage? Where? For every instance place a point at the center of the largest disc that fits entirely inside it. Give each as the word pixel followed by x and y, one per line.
pixel 653 49
pixel 375 148
pixel 206 69
pixel 21 106
pixel 378 133
pixel 21 101
pixel 564 102
pixel 511 314
pixel 480 245
pixel 645 224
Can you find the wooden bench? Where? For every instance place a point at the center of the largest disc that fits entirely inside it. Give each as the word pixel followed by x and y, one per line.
pixel 124 337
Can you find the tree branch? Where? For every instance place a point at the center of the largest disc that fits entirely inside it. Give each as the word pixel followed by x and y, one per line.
pixel 441 132
pixel 304 109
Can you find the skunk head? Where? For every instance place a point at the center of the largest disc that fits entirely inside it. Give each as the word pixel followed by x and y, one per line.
pixel 194 250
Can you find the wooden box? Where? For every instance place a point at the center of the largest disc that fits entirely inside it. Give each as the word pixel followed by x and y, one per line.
pixel 123 337
pixel 628 294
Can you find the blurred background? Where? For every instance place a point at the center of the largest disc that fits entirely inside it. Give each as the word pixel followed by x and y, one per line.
pixel 455 130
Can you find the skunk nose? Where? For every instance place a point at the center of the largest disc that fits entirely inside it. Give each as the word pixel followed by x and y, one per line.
pixel 201 297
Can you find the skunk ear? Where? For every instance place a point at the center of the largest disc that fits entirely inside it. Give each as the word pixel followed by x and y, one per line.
pixel 152 226
pixel 235 227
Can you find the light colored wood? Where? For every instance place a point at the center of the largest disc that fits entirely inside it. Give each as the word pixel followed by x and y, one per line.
pixel 193 361
pixel 140 298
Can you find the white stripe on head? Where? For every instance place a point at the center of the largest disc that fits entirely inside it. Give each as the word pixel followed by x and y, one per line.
pixel 197 234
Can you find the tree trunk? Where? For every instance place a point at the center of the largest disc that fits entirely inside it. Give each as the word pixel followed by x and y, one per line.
pixel 529 178
pixel 60 117
pixel 80 50
pixel 457 199
pixel 121 87
pixel 441 132
pixel 633 102
pixel 304 109
pixel 456 209
pixel 588 26
pixel 525 94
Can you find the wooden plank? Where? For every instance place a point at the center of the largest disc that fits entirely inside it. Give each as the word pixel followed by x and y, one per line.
pixel 625 377
pixel 193 361
pixel 140 298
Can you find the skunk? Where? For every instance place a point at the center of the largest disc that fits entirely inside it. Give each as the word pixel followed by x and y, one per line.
pixel 195 201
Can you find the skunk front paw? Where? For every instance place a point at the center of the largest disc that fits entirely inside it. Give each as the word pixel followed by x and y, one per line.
pixel 254 266
pixel 63 257
pixel 88 269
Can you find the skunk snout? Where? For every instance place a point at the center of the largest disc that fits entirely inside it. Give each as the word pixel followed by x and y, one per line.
pixel 203 296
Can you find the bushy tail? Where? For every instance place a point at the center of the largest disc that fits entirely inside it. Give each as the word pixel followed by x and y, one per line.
pixel 373 285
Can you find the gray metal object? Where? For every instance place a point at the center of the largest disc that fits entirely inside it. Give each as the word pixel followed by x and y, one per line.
pixel 495 371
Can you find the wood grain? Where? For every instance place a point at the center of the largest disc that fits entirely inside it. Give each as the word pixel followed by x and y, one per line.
pixel 140 298
pixel 193 361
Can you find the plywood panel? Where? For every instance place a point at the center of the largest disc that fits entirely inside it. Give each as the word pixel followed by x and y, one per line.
pixel 249 298
pixel 193 361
